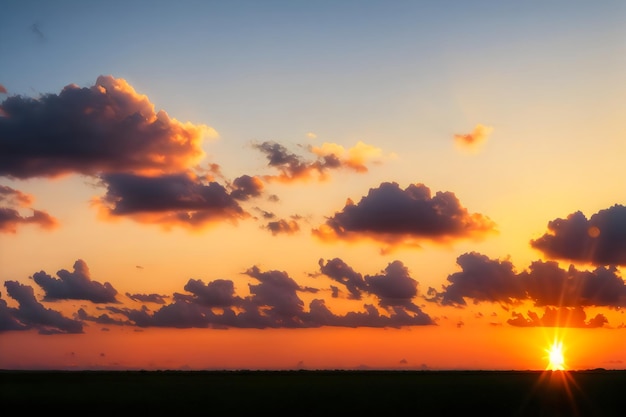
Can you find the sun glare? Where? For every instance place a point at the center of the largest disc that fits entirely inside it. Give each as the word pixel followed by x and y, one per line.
pixel 555 357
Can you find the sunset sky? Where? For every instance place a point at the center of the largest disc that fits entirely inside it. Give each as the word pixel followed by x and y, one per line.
pixel 312 185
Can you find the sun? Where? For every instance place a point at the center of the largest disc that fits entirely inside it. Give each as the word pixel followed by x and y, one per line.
pixel 555 357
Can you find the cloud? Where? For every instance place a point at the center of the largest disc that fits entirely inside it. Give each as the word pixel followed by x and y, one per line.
pixel 3 89
pixel 277 291
pixel 147 298
pixel 482 279
pixel 394 287
pixel 10 216
pixel 548 284
pixel 283 226
pixel 394 216
pixel 33 314
pixel 107 127
pixel 7 320
pixel 339 271
pixel 217 293
pixel 558 317
pixel 76 285
pixel 599 240
pixel 475 139
pixel 543 283
pixel 355 158
pixel 245 187
pixel 329 156
pixel 179 199
pixel 274 302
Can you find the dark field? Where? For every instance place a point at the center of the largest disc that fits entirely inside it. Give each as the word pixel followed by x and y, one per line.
pixel 317 393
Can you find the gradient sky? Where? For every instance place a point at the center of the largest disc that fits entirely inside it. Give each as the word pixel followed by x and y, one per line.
pixel 306 185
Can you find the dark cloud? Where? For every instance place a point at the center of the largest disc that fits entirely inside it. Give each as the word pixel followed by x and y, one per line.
pixel 76 285
pixel 545 284
pixel 103 318
pixel 10 216
pixel 217 293
pixel 548 284
pixel 394 216
pixel 7 319
pixel 482 279
pixel 171 199
pixel 107 127
pixel 33 314
pixel 394 286
pixel 558 317
pixel 273 303
pixel 246 186
pixel 278 292
pixel 329 156
pixel 338 270
pixel 147 298
pixel 283 226
pixel 599 240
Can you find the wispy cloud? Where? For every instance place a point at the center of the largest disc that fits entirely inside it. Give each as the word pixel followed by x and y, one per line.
pixel 474 140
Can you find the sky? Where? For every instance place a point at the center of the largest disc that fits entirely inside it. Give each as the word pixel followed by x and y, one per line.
pixel 312 185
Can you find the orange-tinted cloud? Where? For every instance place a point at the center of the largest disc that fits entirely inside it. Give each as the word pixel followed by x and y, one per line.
pixel 180 199
pixel 475 139
pixel 355 158
pixel 393 216
pixel 558 317
pixel 600 240
pixel 3 89
pixel 10 216
pixel 107 127
pixel 283 226
pixel 329 156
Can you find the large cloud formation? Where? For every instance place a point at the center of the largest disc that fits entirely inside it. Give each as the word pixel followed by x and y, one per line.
pixel 107 127
pixel 394 216
pixel 273 302
pixel 11 201
pixel 599 240
pixel 544 283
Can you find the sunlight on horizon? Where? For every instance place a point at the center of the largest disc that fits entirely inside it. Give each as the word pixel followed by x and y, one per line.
pixel 556 359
